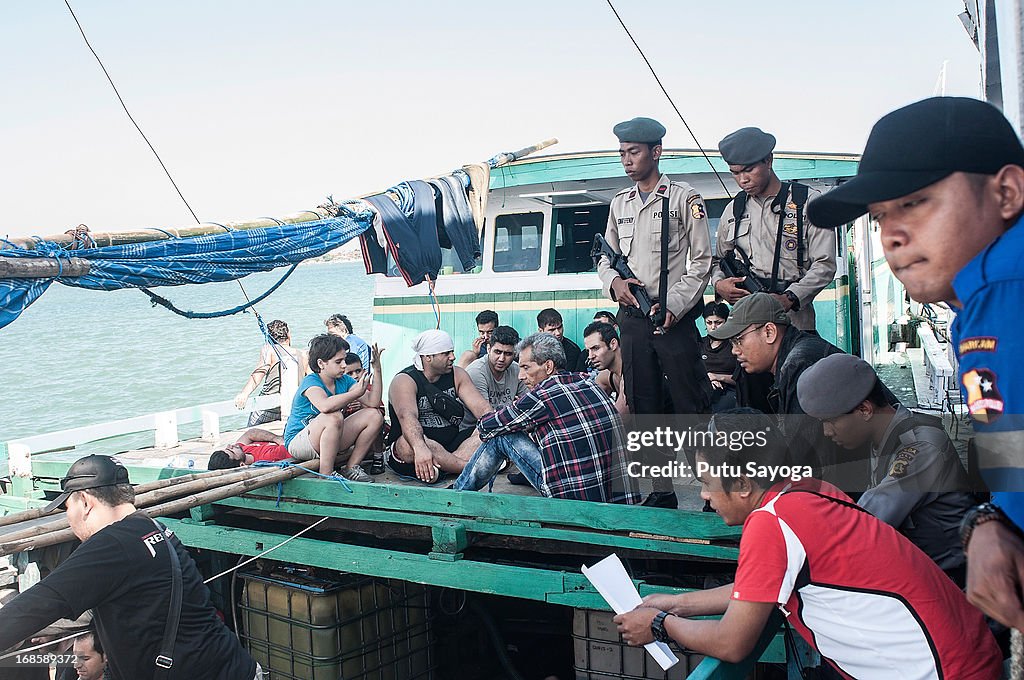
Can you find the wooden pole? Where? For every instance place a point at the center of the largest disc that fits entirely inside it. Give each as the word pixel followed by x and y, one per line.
pixel 151 497
pixel 171 507
pixel 36 513
pixel 42 267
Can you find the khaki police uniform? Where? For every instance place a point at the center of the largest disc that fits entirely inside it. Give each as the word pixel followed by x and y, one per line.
pixel 918 485
pixel 634 229
pixel 756 236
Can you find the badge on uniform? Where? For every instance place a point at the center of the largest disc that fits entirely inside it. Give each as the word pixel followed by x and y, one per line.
pixel 791 205
pixel 662 189
pixel 790 244
pixel 697 210
pixel 902 461
pixel 984 401
pixel 979 344
pixel 789 229
pixel 632 194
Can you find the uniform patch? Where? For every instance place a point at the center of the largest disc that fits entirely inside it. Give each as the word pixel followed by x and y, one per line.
pixel 789 229
pixel 979 344
pixel 697 210
pixel 662 189
pixel 692 198
pixel 902 461
pixel 790 244
pixel 632 194
pixel 791 205
pixel 791 215
pixel 984 401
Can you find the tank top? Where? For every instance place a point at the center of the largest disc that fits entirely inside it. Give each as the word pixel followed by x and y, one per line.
pixel 439 427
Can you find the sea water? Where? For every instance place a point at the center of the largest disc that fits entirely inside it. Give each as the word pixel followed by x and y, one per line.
pixel 80 357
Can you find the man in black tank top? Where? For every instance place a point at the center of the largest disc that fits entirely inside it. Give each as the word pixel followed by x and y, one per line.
pixel 427 403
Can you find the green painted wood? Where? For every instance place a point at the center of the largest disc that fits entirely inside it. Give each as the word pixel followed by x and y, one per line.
pixel 767 650
pixel 548 511
pixel 491 526
pixel 608 166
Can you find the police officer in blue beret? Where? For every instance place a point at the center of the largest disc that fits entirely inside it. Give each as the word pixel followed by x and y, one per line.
pixel 661 228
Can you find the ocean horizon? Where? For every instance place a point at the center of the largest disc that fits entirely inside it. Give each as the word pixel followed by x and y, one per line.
pixel 81 357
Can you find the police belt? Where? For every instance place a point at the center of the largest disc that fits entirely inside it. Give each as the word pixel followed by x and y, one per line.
pixel 770 287
pixel 693 314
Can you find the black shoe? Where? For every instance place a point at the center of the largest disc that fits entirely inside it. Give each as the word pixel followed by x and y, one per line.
pixel 662 499
pixel 517 479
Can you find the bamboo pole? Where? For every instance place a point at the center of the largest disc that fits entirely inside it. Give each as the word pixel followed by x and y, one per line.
pixel 36 513
pixel 41 268
pixel 148 498
pixel 170 507
pixel 139 236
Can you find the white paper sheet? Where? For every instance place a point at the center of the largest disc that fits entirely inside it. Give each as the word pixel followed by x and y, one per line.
pixel 617 589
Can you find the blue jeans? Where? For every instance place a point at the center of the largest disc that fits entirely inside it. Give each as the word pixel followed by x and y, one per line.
pixel 483 466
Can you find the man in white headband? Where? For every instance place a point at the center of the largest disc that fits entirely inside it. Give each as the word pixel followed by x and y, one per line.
pixel 427 403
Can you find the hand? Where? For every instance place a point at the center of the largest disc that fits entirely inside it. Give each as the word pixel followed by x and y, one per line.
pixel 359 388
pixel 729 289
pixel 620 291
pixel 635 626
pixel 425 469
pixel 662 602
pixel 375 353
pixel 784 300
pixel 240 400
pixel 995 573
pixel 478 343
pixel 717 385
pixel 670 319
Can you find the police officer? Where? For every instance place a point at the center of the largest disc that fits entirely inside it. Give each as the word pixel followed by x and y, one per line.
pixel 661 227
pixel 766 227
pixel 917 483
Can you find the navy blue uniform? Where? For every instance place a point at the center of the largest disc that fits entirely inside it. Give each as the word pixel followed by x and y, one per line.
pixel 989 338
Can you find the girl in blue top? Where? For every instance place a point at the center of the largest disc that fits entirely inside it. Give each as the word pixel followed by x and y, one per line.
pixel 317 427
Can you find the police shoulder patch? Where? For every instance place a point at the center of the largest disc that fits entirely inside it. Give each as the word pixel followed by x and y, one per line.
pixel 984 402
pixel 789 229
pixel 901 461
pixel 697 210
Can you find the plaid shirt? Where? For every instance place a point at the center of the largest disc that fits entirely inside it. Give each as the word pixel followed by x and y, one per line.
pixel 579 434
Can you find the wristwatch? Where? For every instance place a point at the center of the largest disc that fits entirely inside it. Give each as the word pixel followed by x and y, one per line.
pixel 978 515
pixel 658 628
pixel 793 299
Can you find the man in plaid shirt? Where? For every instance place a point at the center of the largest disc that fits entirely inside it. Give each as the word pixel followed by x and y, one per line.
pixel 564 435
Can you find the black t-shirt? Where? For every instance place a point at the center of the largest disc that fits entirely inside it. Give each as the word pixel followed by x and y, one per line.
pixel 719 359
pixel 572 353
pixel 123 573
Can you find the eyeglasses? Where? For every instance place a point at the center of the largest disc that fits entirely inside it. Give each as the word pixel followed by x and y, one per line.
pixel 735 342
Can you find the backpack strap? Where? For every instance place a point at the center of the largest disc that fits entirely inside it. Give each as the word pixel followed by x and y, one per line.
pixel 739 208
pixel 164 659
pixel 780 201
pixel 799 193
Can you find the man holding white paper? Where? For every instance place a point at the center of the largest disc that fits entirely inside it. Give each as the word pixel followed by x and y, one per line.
pixel 882 612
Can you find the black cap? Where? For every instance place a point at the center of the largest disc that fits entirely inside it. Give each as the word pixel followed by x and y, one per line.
pixel 91 472
pixel 916 146
pixel 835 385
pixel 642 130
pixel 746 145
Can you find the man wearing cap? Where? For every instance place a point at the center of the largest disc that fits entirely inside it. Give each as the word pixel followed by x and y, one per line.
pixel 661 228
pixel 427 403
pixel 917 483
pixel 123 571
pixel 764 341
pixel 944 179
pixel 766 227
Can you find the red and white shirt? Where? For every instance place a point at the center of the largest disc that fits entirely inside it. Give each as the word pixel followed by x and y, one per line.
pixel 866 598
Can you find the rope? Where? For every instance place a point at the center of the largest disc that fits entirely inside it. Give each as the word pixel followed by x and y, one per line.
pixel 667 96
pixel 259 555
pixel 164 302
pixel 435 306
pixel 283 464
pixel 128 113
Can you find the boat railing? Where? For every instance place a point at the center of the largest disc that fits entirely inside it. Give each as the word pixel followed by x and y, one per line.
pixel 163 424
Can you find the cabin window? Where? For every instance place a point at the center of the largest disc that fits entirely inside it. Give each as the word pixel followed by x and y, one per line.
pixel 575 229
pixel 517 242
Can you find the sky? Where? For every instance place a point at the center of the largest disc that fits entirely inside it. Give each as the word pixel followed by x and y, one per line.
pixel 263 108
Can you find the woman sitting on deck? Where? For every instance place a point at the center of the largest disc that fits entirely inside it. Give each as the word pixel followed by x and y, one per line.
pixel 317 426
pixel 268 371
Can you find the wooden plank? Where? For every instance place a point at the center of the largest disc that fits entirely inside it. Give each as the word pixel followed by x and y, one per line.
pixel 42 267
pixel 582 535
pixel 495 506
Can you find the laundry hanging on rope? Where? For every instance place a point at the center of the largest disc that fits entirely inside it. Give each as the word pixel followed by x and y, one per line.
pixel 179 261
pixel 416 220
